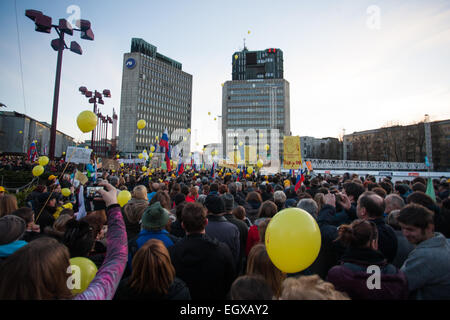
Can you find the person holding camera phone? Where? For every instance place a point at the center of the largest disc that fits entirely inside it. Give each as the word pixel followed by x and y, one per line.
pixel 54 256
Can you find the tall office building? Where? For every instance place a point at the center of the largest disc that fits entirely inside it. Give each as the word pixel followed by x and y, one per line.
pixel 257 98
pixel 155 89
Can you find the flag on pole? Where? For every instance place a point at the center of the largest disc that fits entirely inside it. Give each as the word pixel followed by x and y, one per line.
pixel 213 170
pixel 32 152
pixel 300 179
pixel 430 189
pixel 164 143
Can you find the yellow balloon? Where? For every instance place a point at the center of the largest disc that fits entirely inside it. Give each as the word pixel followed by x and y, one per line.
pixel 145 151
pixel 189 130
pixel 86 147
pixel 209 113
pixel 141 124
pixel 223 84
pixel 241 144
pixel 150 155
pixel 152 149
pixel 122 164
pixel 123 197
pixel 66 192
pixel 38 170
pixel 140 156
pixel 238 171
pixel 236 57
pixel 215 119
pixel 87 121
pixel 267 147
pixel 250 170
pixel 144 168
pixel 117 156
pixel 113 171
pixel 293 240
pixel 20 131
pixel 84 270
pixel 157 138
pixel 261 135
pixel 43 161
pixel 63 153
pixel 248 32
pixel 260 163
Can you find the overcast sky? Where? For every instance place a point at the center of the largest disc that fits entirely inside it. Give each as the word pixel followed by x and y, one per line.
pixel 352 65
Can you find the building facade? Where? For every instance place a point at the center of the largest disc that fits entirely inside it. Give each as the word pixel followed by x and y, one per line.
pixel 155 89
pixel 401 144
pixel 18 131
pixel 256 104
pixel 325 148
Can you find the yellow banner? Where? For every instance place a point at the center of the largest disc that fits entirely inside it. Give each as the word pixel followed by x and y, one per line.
pixel 224 164
pixel 292 153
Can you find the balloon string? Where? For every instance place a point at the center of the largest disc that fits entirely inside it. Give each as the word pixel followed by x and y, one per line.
pixel 62 174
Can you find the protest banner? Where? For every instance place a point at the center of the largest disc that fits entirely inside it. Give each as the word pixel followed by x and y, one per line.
pixel 292 153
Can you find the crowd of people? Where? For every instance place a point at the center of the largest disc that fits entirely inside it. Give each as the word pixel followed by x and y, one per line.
pixel 195 236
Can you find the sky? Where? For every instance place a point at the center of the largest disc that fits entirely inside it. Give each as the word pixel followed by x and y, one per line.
pixel 351 65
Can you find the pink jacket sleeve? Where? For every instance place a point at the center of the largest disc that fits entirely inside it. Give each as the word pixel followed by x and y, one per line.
pixel 105 283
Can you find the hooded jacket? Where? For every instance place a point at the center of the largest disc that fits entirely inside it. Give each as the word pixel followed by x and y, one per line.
pixel 352 276
pixel 427 269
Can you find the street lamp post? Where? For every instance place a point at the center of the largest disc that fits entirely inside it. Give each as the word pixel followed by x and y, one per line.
pixel 44 24
pixel 95 97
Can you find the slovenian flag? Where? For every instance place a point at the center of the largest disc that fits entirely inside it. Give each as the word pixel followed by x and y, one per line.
pixel 32 152
pixel 164 143
pixel 180 168
pixel 300 179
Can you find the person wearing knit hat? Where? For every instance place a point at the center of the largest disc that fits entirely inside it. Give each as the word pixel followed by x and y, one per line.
pixel 12 229
pixel 218 226
pixel 2 191
pixel 153 226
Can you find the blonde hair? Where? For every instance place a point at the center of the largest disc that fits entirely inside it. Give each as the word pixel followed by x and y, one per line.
pixel 140 192
pixel 310 288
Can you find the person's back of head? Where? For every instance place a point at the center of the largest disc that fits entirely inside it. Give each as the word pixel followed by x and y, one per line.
pixel 259 263
pixel 140 192
pixel 215 204
pixel 239 212
pixel 114 181
pixel 422 199
pixel 380 191
pixel 359 234
pixel 370 205
pixel 252 287
pixel 279 197
pixel 386 186
pixel 37 271
pixel 310 288
pixel 8 204
pixel 163 198
pixel 152 269
pixel 309 205
pixel 267 209
pixel 214 187
pixel 194 218
pixel 79 238
pixel 27 214
pixel 393 202
pixel 419 186
pixel 354 190
pixel 392 219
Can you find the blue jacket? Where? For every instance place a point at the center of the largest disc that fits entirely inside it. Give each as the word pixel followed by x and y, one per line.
pixel 8 249
pixel 427 269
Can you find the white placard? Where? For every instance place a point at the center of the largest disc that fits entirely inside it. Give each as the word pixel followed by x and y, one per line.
pixel 78 155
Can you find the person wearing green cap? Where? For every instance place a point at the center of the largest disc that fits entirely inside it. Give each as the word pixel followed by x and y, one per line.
pixel 153 226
